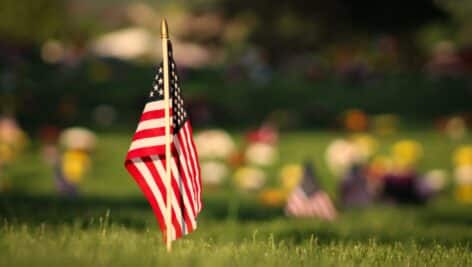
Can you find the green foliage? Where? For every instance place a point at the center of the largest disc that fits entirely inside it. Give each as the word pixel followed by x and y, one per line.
pixel 461 12
pixel 31 21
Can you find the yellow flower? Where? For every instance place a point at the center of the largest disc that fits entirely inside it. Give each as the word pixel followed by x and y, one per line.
pixel 407 153
pixel 290 176
pixel 366 144
pixel 464 194
pixel 6 153
pixel 249 178
pixel 10 150
pixel 273 197
pixel 380 165
pixel 74 164
pixel 463 156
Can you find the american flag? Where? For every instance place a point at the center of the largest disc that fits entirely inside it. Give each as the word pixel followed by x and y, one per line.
pixel 146 160
pixel 308 200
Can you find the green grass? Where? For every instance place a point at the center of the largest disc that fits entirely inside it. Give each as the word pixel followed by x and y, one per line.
pixel 112 225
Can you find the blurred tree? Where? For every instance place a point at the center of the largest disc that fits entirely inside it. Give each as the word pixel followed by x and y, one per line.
pixel 30 21
pixel 285 27
pixel 461 13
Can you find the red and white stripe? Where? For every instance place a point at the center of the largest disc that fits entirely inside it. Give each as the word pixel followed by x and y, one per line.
pixel 318 205
pixel 146 163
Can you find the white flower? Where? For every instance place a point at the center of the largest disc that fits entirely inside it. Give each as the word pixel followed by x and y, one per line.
pixel 78 138
pixel 213 144
pixel 213 172
pixel 436 179
pixel 340 155
pixel 261 154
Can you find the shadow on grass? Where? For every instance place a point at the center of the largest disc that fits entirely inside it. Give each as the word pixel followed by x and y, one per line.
pixel 459 216
pixel 239 209
pixel 57 210
pixel 437 226
pixel 132 212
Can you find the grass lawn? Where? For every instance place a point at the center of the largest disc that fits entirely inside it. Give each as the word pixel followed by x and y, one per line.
pixel 112 224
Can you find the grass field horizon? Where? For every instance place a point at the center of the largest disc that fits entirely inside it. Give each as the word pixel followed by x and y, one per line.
pixel 112 224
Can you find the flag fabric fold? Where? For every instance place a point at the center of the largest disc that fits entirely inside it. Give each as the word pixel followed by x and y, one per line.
pixel 308 200
pixel 146 159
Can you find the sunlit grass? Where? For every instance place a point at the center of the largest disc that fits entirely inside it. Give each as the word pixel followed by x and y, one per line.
pixel 112 225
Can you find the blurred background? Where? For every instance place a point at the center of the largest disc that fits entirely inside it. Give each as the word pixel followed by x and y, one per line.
pixel 369 92
pixel 64 61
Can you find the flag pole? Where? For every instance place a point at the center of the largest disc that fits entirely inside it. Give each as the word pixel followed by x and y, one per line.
pixel 165 63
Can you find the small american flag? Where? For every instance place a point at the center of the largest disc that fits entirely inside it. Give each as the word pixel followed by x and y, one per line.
pixel 308 200
pixel 146 160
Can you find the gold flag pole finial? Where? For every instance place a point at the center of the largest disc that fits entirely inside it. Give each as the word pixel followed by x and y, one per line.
pixel 164 29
